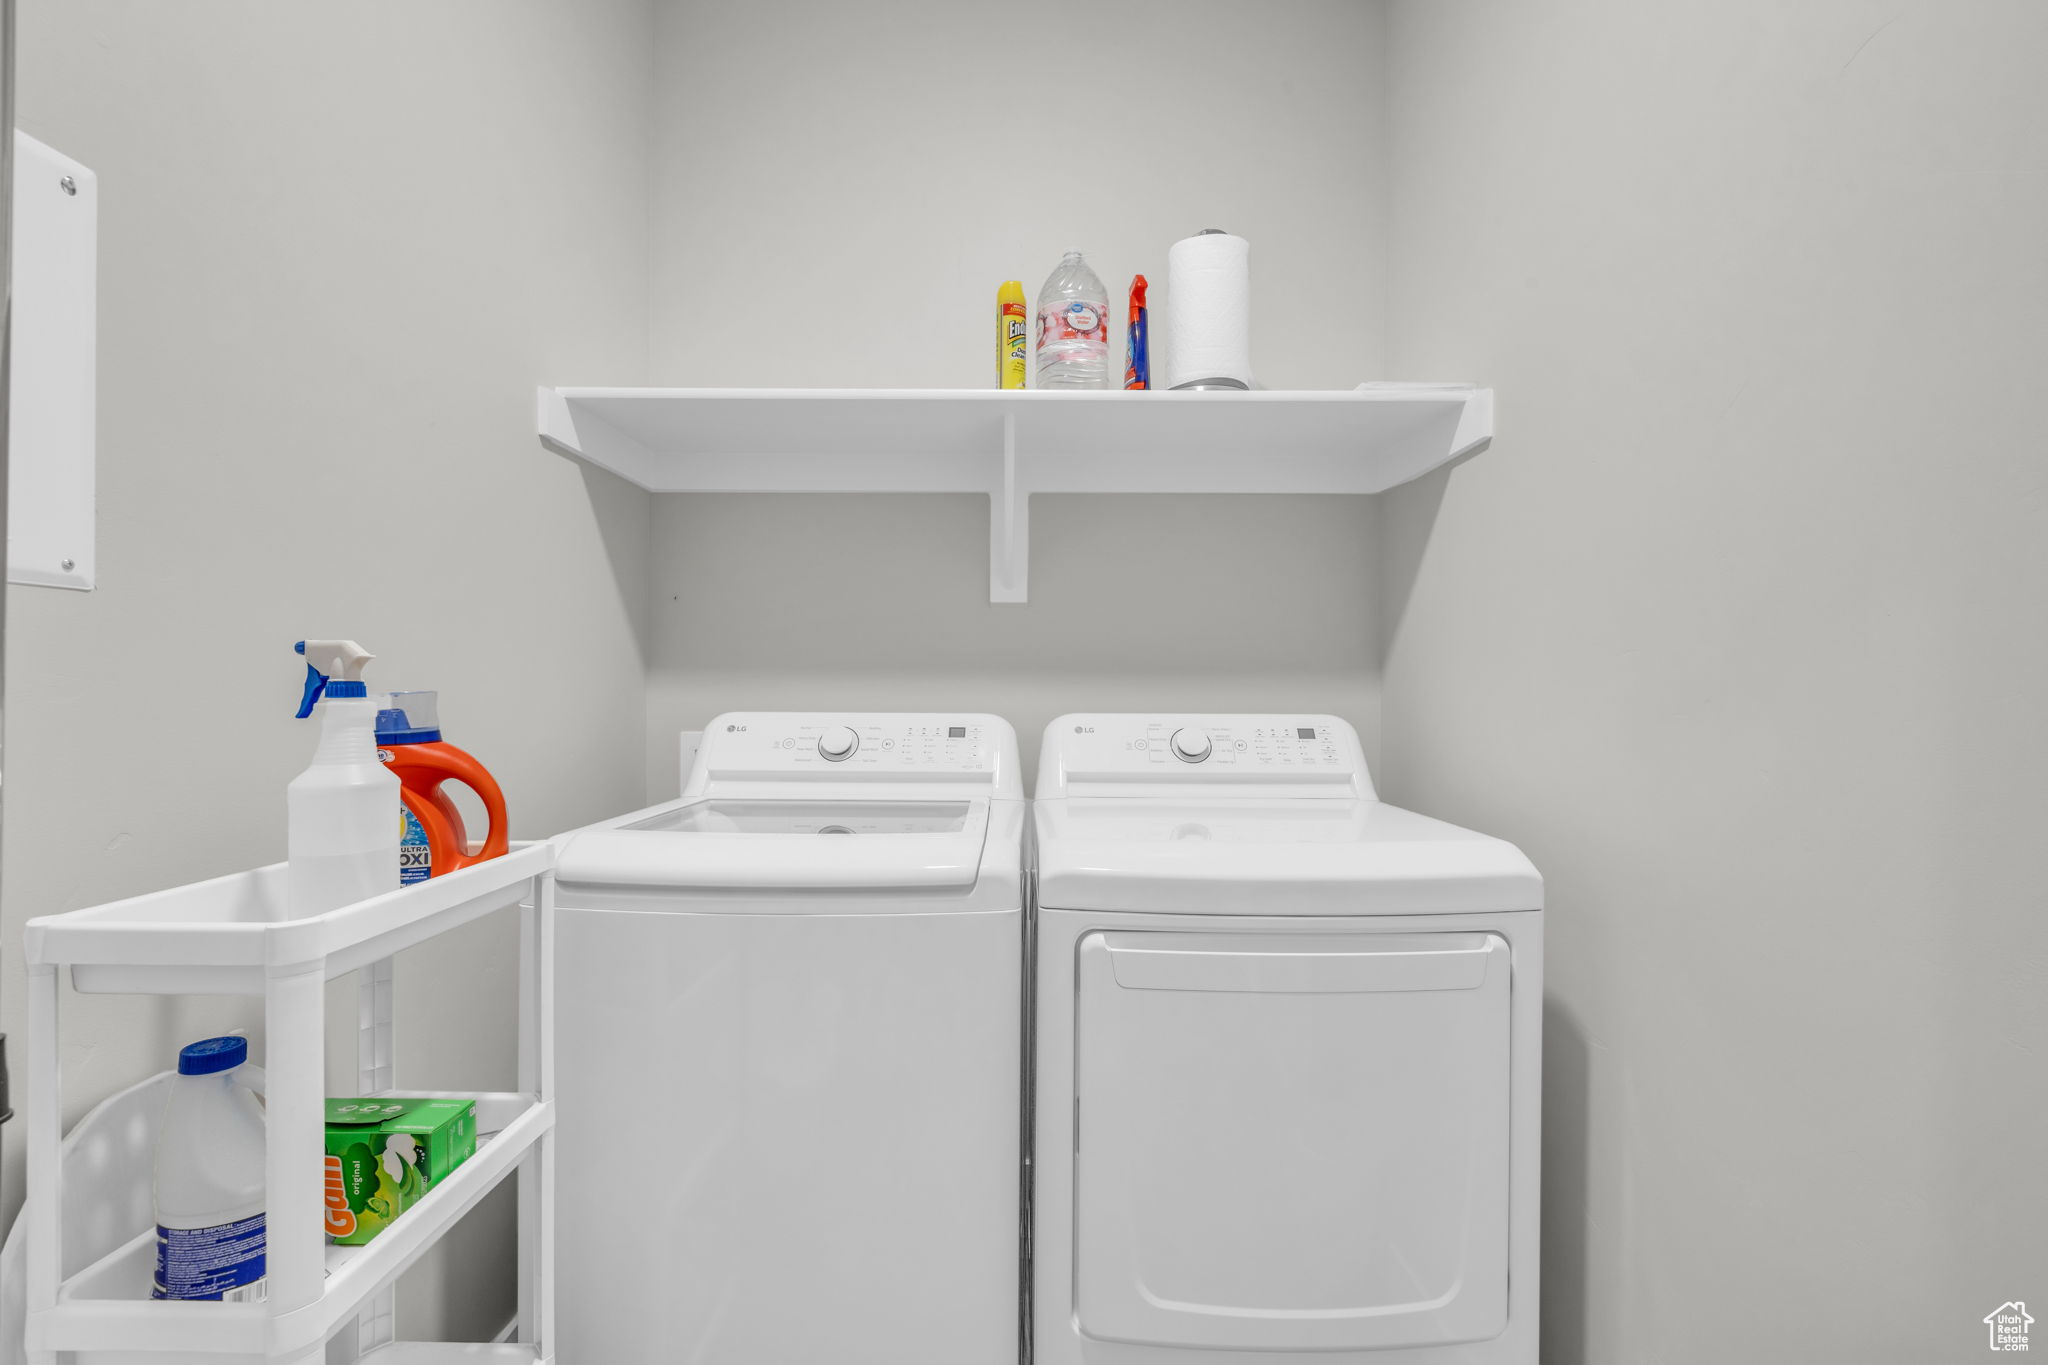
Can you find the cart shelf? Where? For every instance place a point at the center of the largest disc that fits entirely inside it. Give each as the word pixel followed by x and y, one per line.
pixel 107 1307
pixel 226 936
pixel 229 935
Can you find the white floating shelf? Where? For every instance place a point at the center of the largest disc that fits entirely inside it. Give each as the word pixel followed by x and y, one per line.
pixel 1012 443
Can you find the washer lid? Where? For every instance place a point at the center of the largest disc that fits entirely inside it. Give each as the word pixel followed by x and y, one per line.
pixel 733 816
pixel 801 845
pixel 1272 857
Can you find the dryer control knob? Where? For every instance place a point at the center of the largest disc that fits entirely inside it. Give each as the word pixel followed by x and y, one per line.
pixel 837 744
pixel 1191 746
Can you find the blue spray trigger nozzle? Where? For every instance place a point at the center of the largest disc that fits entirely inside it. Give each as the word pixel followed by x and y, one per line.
pixel 343 662
pixel 316 683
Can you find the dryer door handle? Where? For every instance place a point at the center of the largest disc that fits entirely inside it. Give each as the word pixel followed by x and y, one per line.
pixel 1303 963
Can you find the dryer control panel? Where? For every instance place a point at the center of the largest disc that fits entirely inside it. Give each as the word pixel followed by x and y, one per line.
pixel 856 747
pixel 1302 754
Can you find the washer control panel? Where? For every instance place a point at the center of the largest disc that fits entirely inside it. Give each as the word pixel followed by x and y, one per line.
pixel 1270 743
pixel 769 744
pixel 1310 751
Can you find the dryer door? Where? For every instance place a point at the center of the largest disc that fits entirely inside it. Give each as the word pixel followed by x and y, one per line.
pixel 1291 1142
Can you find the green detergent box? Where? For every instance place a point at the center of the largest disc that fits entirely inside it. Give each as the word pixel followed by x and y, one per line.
pixel 385 1154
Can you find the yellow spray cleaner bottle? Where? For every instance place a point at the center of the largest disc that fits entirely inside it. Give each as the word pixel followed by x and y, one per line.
pixel 1012 329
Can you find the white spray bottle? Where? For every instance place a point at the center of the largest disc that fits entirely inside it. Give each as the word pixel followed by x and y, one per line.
pixel 344 809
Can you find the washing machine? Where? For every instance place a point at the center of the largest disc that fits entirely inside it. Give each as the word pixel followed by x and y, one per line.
pixel 1287 1057
pixel 788 1047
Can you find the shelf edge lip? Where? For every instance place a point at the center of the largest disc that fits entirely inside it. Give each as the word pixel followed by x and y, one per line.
pixel 1370 392
pixel 486 1353
pixel 87 938
pixel 139 1326
pixel 1361 441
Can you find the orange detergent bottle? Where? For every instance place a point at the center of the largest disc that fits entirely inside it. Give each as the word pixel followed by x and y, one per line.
pixel 432 838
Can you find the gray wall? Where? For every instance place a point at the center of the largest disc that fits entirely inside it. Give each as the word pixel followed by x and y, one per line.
pixel 840 189
pixel 337 253
pixel 1734 628
pixel 1737 629
pixel 879 602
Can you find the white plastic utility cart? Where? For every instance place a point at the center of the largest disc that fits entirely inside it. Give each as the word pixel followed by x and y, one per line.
pixel 228 937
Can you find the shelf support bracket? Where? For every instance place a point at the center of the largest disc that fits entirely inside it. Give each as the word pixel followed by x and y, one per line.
pixel 1009 526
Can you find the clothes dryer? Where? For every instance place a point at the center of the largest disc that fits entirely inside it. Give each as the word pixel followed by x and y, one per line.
pixel 1287 1057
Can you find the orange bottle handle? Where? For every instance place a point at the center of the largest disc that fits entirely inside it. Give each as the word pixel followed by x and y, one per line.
pixel 441 823
pixel 444 762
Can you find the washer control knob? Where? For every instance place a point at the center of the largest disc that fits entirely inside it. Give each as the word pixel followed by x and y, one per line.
pixel 837 744
pixel 1191 746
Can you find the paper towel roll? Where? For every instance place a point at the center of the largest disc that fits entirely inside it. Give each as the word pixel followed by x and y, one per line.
pixel 1209 312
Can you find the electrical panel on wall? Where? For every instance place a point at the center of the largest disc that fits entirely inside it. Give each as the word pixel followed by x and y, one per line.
pixel 51 445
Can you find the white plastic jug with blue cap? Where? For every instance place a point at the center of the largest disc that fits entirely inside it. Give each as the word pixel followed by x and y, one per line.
pixel 210 1232
pixel 344 819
